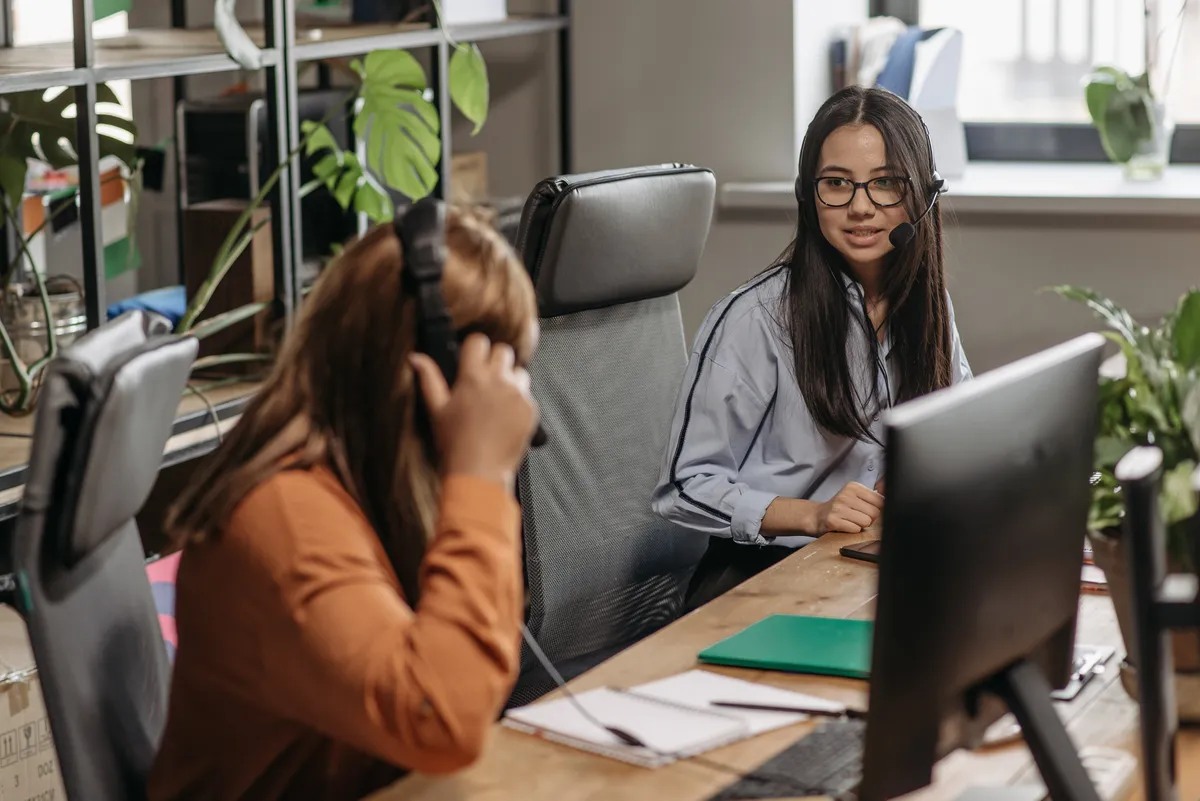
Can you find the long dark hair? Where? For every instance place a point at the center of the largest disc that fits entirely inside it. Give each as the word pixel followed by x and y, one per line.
pixel 342 394
pixel 816 314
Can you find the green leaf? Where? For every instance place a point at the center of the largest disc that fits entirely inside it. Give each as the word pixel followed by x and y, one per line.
pixel 401 148
pixel 1116 317
pixel 469 84
pixel 1190 412
pixel 219 322
pixel 1100 89
pixel 12 178
pixel 1110 450
pixel 393 68
pixel 318 137
pixel 372 201
pixel 31 118
pixel 346 187
pixel 1177 497
pixel 327 168
pixel 1185 334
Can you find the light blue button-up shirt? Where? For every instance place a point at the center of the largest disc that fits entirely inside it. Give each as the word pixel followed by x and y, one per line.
pixel 742 434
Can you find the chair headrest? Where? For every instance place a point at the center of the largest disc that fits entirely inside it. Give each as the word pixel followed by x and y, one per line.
pixel 107 408
pixel 618 236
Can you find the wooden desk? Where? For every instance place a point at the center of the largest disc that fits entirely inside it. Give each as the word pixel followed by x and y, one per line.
pixel 814 581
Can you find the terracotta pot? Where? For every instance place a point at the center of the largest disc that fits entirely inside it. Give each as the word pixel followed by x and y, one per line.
pixel 1109 555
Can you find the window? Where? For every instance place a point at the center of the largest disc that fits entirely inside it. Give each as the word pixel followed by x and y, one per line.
pixel 1024 62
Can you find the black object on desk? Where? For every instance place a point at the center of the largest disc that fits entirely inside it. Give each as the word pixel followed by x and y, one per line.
pixel 1161 603
pixel 828 762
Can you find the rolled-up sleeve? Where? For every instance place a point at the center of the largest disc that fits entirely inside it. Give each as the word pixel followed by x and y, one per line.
pixel 717 419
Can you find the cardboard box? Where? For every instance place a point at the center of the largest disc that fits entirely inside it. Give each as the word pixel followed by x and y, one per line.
pixel 28 762
pixel 469 177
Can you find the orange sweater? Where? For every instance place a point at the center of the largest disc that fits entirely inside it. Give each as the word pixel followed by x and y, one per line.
pixel 302 673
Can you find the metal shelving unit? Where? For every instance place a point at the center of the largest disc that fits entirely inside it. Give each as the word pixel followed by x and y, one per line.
pixel 180 51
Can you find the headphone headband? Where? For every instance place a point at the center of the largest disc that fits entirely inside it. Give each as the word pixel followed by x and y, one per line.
pixel 421 230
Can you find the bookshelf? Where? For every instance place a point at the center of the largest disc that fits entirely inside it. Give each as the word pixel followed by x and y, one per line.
pixel 179 51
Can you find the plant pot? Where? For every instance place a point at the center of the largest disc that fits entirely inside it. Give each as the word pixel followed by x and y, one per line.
pixel 1151 156
pixel 1109 555
pixel 23 316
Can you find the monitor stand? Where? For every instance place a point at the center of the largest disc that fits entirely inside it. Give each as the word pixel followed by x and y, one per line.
pixel 1027 692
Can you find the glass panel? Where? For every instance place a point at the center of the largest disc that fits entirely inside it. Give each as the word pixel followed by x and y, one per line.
pixel 1025 60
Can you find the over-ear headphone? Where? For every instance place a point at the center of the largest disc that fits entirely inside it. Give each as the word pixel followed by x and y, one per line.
pixel 421 230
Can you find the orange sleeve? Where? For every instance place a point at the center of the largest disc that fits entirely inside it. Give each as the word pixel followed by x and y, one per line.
pixel 349 658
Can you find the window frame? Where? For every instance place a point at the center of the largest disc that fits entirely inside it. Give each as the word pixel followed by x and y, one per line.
pixel 1039 141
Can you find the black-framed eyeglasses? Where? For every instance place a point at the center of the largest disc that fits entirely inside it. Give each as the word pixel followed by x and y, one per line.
pixel 883 191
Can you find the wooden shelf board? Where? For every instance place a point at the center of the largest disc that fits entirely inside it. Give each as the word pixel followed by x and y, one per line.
pixel 14 450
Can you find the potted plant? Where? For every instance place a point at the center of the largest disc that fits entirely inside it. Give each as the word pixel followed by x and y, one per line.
pixel 1149 394
pixel 1129 115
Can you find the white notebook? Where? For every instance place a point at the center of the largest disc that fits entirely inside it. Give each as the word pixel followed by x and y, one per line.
pixel 672 716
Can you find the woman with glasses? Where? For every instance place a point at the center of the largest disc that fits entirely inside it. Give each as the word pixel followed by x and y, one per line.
pixel 777 436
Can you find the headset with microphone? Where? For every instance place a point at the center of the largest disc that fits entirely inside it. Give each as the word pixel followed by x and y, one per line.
pixel 422 234
pixel 903 233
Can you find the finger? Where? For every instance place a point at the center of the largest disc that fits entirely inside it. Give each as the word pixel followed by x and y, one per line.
pixel 503 357
pixel 474 353
pixel 879 486
pixel 842 525
pixel 867 496
pixel 857 517
pixel 433 384
pixel 520 377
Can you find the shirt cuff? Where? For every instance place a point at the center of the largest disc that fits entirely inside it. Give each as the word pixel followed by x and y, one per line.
pixel 748 515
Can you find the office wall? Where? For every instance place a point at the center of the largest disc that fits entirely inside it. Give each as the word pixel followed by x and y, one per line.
pixel 710 82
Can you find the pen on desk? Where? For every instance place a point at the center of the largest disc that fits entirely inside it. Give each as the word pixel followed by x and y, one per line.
pixel 795 710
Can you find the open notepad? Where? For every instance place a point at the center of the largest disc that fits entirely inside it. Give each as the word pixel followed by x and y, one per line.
pixel 672 716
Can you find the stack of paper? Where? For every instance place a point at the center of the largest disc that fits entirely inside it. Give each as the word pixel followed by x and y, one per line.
pixel 674 717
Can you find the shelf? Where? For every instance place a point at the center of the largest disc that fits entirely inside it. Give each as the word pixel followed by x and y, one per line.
pixel 138 55
pixel 340 41
pixel 194 434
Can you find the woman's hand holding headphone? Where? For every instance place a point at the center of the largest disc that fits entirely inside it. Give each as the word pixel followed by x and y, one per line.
pixel 483 424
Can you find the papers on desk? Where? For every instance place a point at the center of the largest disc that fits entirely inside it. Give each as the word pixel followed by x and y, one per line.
pixel 672 716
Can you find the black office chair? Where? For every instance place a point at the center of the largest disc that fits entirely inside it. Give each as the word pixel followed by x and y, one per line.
pixel 607 252
pixel 105 412
pixel 1161 604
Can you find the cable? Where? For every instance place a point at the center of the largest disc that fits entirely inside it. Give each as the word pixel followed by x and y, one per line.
pixel 635 742
pixel 212 411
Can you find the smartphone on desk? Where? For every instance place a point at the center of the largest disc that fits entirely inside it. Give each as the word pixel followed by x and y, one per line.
pixel 866 551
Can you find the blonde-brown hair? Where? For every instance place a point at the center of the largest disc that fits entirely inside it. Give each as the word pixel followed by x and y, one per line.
pixel 342 392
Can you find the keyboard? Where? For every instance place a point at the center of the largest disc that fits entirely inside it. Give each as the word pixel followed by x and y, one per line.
pixel 826 762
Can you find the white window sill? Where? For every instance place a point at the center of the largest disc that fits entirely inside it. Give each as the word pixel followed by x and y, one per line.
pixel 1023 188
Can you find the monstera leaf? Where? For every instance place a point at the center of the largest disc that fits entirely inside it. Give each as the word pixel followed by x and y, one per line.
pixel 401 128
pixel 37 128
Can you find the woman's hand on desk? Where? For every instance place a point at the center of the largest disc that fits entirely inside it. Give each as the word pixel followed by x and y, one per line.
pixel 483 424
pixel 853 510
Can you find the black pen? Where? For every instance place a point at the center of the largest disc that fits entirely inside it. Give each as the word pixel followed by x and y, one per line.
pixel 853 714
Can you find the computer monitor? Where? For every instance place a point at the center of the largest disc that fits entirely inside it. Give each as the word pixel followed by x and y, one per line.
pixel 986 510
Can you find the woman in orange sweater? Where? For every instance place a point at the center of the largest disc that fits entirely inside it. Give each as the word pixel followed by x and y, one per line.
pixel 350 594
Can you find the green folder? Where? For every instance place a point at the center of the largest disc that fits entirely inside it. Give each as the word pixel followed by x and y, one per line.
pixel 797 644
